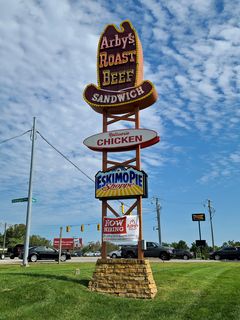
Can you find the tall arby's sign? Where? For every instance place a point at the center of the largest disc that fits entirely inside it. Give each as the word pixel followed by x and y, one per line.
pixel 119 96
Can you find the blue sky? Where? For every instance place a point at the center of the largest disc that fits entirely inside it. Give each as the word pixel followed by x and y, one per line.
pixel 191 53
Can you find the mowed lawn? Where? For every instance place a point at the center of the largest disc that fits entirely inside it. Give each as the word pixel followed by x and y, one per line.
pixel 185 291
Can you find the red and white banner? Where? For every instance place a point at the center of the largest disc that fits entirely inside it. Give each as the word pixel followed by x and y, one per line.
pixel 68 243
pixel 121 229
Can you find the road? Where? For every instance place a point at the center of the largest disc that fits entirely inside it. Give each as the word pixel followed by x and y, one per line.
pixel 94 259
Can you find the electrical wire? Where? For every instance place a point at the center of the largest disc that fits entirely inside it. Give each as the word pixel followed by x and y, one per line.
pixel 180 202
pixel 20 135
pixel 65 157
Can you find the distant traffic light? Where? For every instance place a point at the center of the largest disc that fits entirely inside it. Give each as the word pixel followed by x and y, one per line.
pixel 122 208
pixel 98 227
pixel 82 227
pixel 68 228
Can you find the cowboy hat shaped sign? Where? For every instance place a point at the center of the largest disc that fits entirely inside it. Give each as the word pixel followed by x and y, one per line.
pixel 121 87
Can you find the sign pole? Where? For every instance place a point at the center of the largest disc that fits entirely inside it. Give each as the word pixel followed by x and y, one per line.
pixel 200 236
pixel 139 199
pixel 60 245
pixel 29 206
pixel 104 202
pixel 4 241
pixel 199 229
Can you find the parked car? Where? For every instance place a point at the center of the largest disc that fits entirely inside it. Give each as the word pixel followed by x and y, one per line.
pixel 153 249
pixel 15 251
pixel 230 253
pixel 182 254
pixel 76 253
pixel 115 254
pixel 45 253
pixel 97 254
pixel 88 254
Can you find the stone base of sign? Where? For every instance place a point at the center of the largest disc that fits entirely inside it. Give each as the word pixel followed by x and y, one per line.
pixel 124 278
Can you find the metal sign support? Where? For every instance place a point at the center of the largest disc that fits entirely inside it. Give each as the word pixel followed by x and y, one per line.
pixel 108 164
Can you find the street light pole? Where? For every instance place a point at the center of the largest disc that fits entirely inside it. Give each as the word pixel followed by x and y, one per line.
pixel 29 206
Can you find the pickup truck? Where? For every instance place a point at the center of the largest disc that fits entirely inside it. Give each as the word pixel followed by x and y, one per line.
pixel 153 249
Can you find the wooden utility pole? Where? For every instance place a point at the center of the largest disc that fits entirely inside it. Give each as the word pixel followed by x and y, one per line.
pixel 211 224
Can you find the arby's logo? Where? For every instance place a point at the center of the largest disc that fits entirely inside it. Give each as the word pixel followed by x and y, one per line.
pixel 120 72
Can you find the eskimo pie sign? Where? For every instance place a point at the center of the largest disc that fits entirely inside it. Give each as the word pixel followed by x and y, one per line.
pixel 120 183
pixel 122 140
pixel 120 73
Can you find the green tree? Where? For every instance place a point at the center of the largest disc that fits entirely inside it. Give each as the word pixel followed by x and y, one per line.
pixel 200 252
pixel 111 247
pixel 231 243
pixel 180 245
pixel 16 235
pixel 36 240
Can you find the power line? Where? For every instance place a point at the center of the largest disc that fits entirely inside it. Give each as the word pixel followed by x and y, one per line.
pixel 20 135
pixel 65 157
pixel 180 202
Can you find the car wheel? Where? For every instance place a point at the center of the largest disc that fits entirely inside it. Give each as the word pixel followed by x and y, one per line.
pixel 114 256
pixel 217 257
pixel 185 257
pixel 164 256
pixel 2 256
pixel 63 258
pixel 33 258
pixel 12 256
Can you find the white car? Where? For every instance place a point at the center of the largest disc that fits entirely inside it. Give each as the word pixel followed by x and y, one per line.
pixel 89 254
pixel 115 254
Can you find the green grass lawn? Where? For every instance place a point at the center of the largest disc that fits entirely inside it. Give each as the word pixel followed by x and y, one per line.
pixel 185 291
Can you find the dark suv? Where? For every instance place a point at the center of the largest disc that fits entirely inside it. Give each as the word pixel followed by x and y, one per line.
pixel 230 253
pixel 182 254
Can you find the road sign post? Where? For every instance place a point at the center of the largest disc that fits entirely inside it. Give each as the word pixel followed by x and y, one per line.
pixel 22 200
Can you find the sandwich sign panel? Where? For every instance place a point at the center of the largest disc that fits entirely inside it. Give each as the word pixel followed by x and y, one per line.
pixel 120 73
pixel 121 229
pixel 121 140
pixel 120 183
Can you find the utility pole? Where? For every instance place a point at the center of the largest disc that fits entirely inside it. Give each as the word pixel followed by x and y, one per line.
pixel 158 209
pixel 210 215
pixel 29 206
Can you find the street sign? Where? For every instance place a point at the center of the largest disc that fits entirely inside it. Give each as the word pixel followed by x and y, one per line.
pixel 198 217
pixel 201 243
pixel 23 200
